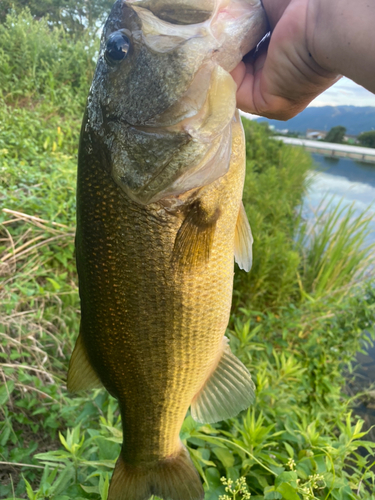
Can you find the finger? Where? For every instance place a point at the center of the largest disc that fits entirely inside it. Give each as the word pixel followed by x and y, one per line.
pixel 274 10
pixel 245 88
pixel 259 62
pixel 238 74
pixel 243 75
pixel 253 95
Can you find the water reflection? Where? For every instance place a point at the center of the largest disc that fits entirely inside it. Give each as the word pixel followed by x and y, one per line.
pixel 351 170
pixel 342 180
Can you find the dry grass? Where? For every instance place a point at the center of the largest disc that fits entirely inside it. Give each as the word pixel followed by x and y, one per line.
pixel 31 317
pixel 22 250
pixel 35 318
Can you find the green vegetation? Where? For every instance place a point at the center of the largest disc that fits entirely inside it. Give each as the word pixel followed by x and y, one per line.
pixel 367 139
pixel 275 177
pixel 336 134
pixel 296 321
pixel 43 67
pixel 75 16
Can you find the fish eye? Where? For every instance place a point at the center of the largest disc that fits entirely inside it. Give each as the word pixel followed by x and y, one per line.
pixel 117 49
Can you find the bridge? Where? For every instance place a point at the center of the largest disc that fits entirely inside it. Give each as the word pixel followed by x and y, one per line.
pixel 332 150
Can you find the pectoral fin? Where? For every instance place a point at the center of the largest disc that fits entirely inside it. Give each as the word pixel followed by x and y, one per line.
pixel 195 237
pixel 81 374
pixel 227 391
pixel 243 241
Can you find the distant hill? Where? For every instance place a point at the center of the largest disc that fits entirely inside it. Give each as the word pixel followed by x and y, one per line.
pixel 355 119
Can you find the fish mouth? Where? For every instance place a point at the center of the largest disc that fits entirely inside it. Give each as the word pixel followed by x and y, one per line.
pixel 232 28
pixel 186 147
pixel 178 12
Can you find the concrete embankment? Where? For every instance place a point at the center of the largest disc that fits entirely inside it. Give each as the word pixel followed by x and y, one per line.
pixel 332 150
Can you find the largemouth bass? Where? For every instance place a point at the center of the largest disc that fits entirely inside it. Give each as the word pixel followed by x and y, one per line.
pixel 159 221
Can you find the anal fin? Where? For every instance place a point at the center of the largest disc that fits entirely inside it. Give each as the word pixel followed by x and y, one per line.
pixel 226 392
pixel 81 374
pixel 243 241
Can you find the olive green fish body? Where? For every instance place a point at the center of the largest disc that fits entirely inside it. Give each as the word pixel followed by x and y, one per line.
pixel 153 331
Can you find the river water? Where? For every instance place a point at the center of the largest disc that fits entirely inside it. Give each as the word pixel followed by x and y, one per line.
pixel 346 180
pixel 352 182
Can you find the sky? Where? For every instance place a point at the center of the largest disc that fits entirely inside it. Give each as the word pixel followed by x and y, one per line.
pixel 343 93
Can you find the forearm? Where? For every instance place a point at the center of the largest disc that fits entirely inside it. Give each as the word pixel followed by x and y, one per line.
pixel 341 38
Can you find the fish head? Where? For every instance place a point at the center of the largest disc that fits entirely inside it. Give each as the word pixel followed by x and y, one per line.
pixel 162 99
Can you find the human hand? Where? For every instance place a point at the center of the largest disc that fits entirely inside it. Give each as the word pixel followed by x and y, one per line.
pixel 284 79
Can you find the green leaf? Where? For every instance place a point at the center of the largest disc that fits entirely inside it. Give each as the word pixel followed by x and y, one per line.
pixel 54 283
pixel 320 463
pixel 214 487
pixel 289 449
pixel 90 489
pixel 225 456
pixel 108 449
pixel 286 477
pixel 29 490
pixel 104 487
pixel 288 492
pixel 64 442
pixel 270 493
pixel 233 473
pixel 5 392
pixel 63 479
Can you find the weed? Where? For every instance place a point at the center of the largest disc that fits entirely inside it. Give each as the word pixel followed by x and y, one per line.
pixel 274 186
pixel 334 249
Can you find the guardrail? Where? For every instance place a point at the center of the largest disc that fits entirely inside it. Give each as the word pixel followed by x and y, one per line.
pixel 332 150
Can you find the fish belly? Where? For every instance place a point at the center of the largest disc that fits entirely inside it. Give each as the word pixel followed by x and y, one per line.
pixel 152 330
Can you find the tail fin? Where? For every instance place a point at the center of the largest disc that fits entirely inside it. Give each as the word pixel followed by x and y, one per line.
pixel 174 478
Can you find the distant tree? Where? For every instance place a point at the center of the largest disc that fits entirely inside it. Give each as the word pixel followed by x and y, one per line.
pixel 74 15
pixel 291 133
pixel 268 130
pixel 367 139
pixel 336 134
